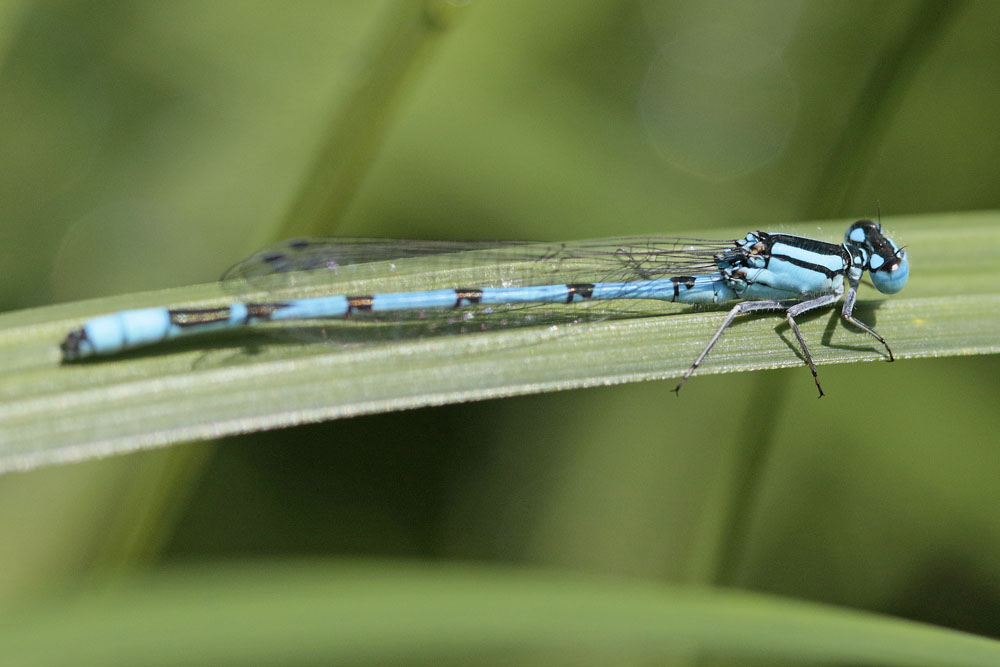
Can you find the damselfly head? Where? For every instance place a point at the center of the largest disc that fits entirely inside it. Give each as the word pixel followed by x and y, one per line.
pixel 887 263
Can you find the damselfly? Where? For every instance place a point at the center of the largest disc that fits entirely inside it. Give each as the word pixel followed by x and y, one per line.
pixel 762 271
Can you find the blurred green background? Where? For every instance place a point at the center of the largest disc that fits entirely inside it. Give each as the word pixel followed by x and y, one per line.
pixel 149 145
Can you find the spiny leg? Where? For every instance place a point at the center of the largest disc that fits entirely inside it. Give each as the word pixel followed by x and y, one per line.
pixel 739 309
pixel 795 311
pixel 848 313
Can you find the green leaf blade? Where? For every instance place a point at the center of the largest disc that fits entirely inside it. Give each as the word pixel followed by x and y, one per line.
pixel 239 381
pixel 380 613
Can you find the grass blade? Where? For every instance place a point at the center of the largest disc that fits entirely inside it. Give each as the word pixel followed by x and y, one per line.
pixel 347 613
pixel 237 383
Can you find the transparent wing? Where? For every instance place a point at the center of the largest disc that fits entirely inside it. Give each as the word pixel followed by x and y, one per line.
pixel 324 266
pixel 334 254
pixel 335 260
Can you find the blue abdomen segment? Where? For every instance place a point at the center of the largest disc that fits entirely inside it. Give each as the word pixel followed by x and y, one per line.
pixel 697 289
pixel 110 334
pixel 127 329
pixel 113 333
pixel 685 289
pixel 307 309
pixel 130 328
pixel 682 289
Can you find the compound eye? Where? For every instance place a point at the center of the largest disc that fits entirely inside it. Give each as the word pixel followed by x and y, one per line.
pixel 889 275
